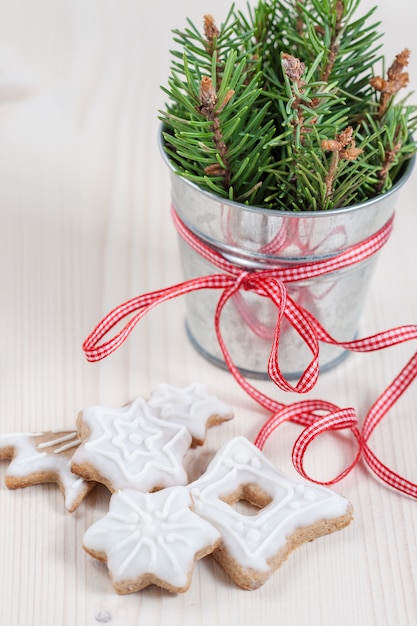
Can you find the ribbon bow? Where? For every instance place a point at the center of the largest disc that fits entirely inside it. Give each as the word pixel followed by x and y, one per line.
pixel 316 416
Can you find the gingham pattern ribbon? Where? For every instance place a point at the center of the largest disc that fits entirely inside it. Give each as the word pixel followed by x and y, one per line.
pixel 316 416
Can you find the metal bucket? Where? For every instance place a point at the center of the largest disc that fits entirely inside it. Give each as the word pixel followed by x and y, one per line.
pixel 254 238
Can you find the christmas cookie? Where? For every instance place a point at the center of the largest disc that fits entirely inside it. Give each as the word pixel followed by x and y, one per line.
pixel 191 406
pixel 151 538
pixel 44 458
pixel 287 513
pixel 129 447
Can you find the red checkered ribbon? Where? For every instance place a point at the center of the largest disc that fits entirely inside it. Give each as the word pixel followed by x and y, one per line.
pixel 316 416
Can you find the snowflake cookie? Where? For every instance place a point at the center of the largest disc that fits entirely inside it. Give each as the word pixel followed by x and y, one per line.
pixel 285 514
pixel 192 406
pixel 151 538
pixel 44 458
pixel 129 447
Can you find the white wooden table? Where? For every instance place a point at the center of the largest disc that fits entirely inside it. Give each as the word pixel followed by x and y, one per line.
pixel 85 225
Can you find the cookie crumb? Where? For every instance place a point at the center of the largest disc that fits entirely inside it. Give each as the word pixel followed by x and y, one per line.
pixel 103 617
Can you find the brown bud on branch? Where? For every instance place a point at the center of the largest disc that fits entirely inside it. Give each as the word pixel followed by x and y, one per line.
pixel 208 97
pixel 342 147
pixel 210 109
pixel 210 29
pixel 293 67
pixel 396 80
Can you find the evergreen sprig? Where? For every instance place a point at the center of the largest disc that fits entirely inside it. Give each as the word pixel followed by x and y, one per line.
pixel 282 107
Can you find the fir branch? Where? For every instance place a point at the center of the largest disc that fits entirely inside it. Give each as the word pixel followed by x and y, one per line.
pixel 299 22
pixel 348 47
pixel 334 43
pixel 388 161
pixel 392 144
pixel 212 33
pixel 299 101
pixel 210 108
pixel 261 108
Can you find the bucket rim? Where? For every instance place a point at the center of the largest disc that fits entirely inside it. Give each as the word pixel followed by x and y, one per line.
pixel 409 165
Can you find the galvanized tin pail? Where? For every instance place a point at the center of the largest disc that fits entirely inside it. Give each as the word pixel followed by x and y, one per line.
pixel 255 238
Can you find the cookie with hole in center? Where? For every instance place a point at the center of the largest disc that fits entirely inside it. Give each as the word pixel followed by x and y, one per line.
pixel 285 513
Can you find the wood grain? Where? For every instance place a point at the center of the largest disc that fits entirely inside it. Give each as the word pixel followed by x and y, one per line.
pixel 84 210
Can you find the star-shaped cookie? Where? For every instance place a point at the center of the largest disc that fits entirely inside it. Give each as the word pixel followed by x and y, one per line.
pixel 287 513
pixel 129 447
pixel 193 406
pixel 151 538
pixel 44 458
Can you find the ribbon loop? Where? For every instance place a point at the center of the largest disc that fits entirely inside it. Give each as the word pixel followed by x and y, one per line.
pixel 343 419
pixel 140 306
pixel 309 413
pixel 271 283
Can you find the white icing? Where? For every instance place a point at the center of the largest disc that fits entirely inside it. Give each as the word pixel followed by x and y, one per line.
pixel 30 458
pixel 254 539
pixel 191 406
pixel 72 444
pixel 131 448
pixel 152 533
pixel 71 438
